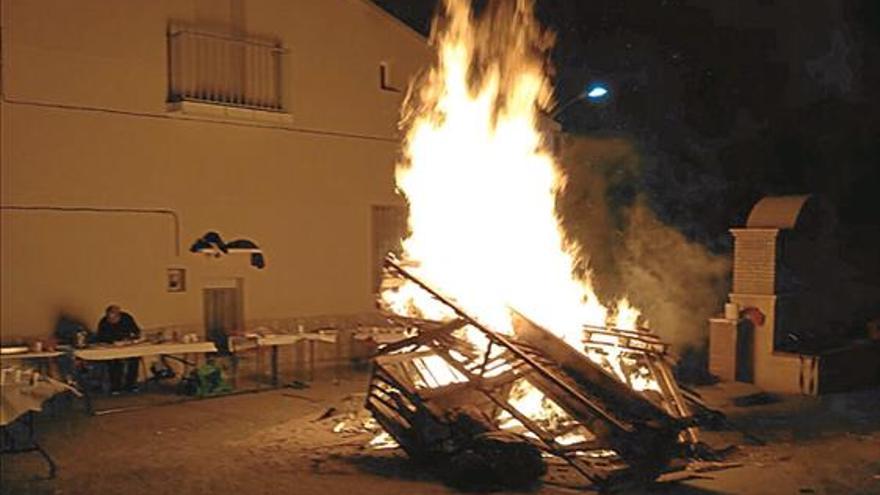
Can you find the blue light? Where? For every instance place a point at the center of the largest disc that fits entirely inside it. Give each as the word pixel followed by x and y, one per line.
pixel 597 92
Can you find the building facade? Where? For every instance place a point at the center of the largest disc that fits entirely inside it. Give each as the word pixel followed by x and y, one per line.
pixel 132 129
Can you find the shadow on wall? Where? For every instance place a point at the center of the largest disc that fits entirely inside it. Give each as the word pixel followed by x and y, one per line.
pixel 676 283
pixel 67 328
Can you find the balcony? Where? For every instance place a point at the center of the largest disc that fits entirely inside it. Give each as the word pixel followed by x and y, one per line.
pixel 210 68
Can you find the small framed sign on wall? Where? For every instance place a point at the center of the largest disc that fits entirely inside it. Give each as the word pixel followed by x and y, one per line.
pixel 176 281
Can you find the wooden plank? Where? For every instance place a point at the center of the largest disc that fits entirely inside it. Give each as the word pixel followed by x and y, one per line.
pixel 615 395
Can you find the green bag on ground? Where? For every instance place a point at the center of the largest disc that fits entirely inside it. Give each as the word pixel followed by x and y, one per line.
pixel 206 380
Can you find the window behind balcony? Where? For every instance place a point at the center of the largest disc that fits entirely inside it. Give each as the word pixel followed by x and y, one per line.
pixel 224 69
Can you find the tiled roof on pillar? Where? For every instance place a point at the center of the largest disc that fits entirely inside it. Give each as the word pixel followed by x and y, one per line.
pixel 778 212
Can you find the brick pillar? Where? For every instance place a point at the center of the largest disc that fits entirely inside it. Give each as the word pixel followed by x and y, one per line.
pixel 754 261
pixel 722 348
pixel 756 284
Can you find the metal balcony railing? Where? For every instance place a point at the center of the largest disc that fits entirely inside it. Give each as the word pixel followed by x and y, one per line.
pixel 224 69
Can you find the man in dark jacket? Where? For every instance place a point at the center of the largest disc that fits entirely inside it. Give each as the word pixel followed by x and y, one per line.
pixel 116 326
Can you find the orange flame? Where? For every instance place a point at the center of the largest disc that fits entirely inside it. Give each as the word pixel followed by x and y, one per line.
pixel 481 182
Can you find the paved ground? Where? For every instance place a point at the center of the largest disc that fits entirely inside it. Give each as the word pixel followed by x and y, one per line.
pixel 271 442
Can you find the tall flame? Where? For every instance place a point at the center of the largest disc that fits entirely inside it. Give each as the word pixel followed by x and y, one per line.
pixel 482 184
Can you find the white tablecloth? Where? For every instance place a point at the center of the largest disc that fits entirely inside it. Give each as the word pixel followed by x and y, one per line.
pixel 278 339
pixel 105 353
pixel 293 338
pixel 17 398
pixel 31 355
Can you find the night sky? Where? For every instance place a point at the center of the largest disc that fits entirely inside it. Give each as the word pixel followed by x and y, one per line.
pixel 727 101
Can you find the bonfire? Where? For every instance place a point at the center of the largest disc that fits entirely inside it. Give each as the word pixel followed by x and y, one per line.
pixel 515 357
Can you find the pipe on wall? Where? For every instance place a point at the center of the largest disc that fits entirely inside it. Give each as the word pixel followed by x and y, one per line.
pixel 175 219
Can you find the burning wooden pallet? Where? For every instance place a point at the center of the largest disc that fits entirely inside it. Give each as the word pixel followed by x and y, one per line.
pixel 456 382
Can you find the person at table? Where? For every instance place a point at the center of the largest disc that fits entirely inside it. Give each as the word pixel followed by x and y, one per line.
pixel 119 326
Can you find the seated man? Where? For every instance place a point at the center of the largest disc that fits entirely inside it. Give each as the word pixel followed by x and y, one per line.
pixel 116 326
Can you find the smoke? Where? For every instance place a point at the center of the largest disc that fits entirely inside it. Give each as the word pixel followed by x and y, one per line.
pixel 629 251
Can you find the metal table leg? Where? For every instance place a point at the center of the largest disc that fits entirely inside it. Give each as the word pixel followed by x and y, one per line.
pixel 274 365
pixel 259 365
pixel 82 384
pixel 33 445
pixel 311 360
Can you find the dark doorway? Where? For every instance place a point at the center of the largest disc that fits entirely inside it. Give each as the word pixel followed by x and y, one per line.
pixel 223 312
pixel 745 351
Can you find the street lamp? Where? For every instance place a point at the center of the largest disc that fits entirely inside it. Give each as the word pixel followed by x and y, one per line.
pixel 596 92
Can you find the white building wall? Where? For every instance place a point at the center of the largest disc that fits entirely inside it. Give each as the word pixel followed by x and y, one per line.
pixel 85 124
